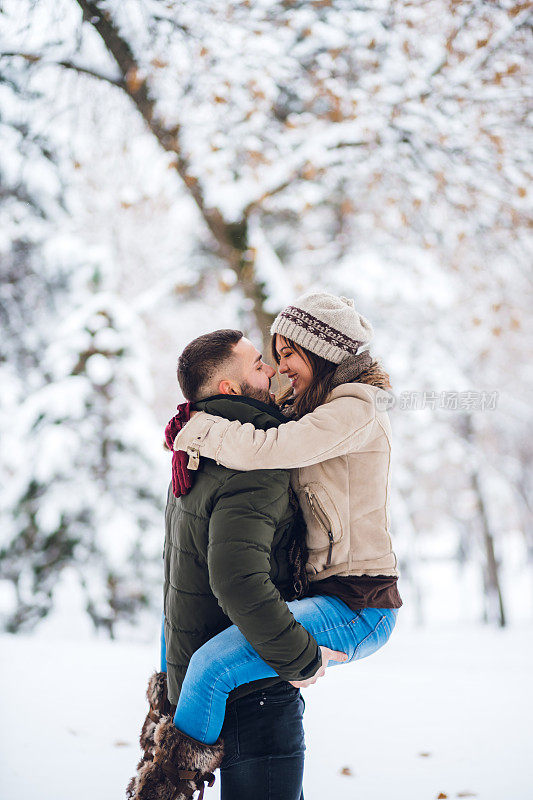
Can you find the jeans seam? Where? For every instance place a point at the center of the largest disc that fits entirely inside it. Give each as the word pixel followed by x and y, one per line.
pixel 381 620
pixel 236 740
pixel 335 627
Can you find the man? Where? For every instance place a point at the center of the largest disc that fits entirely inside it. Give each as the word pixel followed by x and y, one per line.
pixel 226 552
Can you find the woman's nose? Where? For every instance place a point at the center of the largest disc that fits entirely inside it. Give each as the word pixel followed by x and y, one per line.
pixel 282 367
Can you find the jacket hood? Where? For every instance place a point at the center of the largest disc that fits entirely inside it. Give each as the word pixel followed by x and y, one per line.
pixel 244 409
pixel 355 389
pixel 231 407
pixel 382 399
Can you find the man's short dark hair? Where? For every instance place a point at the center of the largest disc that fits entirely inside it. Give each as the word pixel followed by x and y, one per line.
pixel 202 358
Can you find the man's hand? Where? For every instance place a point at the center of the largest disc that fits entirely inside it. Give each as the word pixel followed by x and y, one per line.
pixel 327 655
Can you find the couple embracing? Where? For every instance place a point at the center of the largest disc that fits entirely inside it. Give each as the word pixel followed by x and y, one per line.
pixel 278 559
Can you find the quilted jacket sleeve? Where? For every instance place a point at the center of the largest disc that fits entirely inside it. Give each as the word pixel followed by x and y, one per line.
pixel 241 532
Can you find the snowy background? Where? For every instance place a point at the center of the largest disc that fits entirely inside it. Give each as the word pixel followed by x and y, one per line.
pixel 168 168
pixel 440 711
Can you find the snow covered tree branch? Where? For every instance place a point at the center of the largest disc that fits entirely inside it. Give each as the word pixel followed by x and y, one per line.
pixel 230 238
pixel 213 159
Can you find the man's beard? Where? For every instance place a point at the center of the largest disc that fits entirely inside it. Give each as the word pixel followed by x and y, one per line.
pixel 257 394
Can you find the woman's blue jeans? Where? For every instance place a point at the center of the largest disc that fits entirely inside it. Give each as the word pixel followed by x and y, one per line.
pixel 228 660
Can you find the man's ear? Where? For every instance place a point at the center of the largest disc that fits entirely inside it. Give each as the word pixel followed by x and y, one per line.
pixel 229 387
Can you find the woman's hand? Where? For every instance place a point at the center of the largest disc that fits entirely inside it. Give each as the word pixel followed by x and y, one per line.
pixel 327 655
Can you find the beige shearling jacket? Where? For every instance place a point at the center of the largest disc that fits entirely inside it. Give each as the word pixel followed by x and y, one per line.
pixel 340 461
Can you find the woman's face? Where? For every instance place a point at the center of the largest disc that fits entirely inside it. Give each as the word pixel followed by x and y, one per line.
pixel 292 364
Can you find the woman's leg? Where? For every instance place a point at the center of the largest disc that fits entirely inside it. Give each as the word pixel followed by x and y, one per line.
pixel 228 660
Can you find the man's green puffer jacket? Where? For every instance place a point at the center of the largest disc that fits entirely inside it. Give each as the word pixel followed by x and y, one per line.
pixel 225 557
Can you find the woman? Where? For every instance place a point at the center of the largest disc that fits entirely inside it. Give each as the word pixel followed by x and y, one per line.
pixel 337 445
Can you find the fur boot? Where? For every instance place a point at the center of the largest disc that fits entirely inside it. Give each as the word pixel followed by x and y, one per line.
pixel 180 765
pixel 159 706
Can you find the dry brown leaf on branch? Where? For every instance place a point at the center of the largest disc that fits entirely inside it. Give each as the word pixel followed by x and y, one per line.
pixel 308 172
pixel 133 80
pixel 518 8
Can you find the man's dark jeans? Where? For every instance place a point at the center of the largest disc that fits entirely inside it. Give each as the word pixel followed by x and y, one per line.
pixel 264 746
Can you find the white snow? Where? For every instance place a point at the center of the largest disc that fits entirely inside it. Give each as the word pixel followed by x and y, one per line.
pixel 413 202
pixel 72 710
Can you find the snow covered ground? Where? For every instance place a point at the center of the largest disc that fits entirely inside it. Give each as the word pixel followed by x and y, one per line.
pixel 437 712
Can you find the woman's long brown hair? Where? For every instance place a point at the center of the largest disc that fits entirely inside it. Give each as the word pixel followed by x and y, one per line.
pixel 322 380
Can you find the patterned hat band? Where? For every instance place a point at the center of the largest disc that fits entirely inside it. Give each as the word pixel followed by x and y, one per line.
pixel 320 338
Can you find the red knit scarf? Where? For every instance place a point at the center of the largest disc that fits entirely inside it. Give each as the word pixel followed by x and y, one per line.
pixel 182 478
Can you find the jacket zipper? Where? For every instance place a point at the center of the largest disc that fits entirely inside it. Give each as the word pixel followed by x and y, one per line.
pixel 321 516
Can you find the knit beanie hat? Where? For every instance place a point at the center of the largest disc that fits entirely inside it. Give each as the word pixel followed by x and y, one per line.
pixel 327 325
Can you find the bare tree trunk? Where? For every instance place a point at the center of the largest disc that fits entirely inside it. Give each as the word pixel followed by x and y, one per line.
pixel 411 561
pixel 231 239
pixel 525 505
pixel 493 590
pixel 494 593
